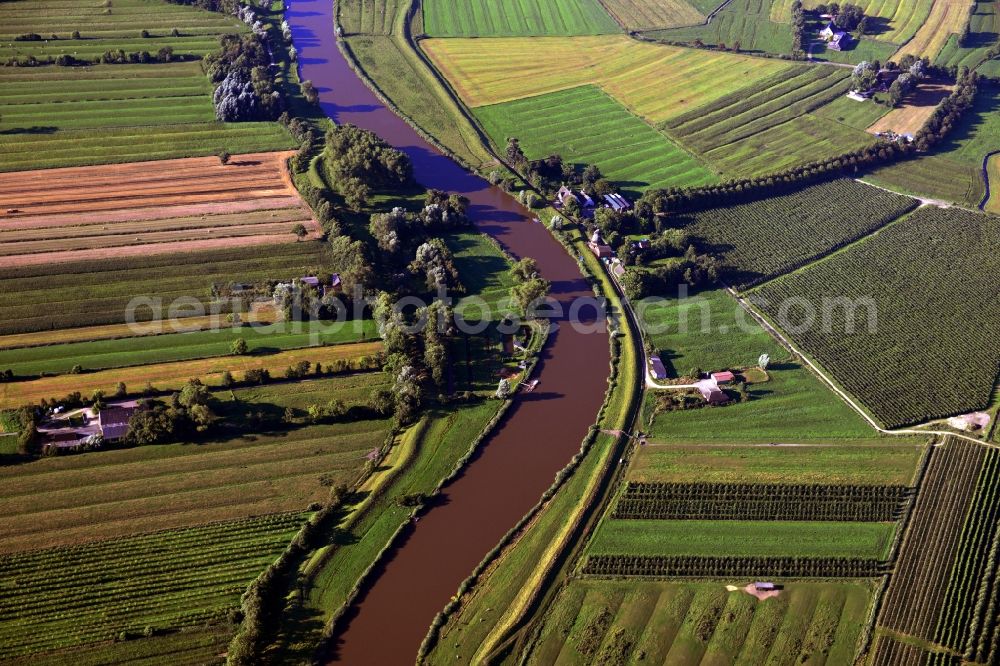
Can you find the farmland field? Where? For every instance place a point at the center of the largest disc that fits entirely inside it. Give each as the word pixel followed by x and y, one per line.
pixel 903 274
pixel 166 207
pixel 900 19
pixel 53 116
pixel 629 152
pixel 34 298
pixel 742 538
pixel 77 499
pixel 655 82
pixel 851 463
pixel 761 240
pixel 171 376
pixel 514 18
pixel 946 18
pixel 142 350
pixel 984 29
pixel 746 23
pixel 652 14
pixel 916 108
pixel 166 580
pixel 606 621
pixel 859 115
pixel 993 171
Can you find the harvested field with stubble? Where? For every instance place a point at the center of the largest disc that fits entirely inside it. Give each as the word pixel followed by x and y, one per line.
pixel 147 208
pixel 946 18
pixel 651 14
pixel 916 108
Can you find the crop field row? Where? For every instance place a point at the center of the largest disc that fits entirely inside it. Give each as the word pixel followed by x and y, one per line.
pixel 64 597
pixel 36 298
pixel 150 349
pixel 749 112
pixel 652 14
pixel 586 126
pixel 902 275
pixel 708 566
pixel 743 24
pixel 745 501
pixel 370 17
pixel 744 538
pixel 105 26
pixel 680 622
pixel 918 587
pixel 946 18
pixel 761 240
pixel 171 376
pixel 890 652
pixel 872 463
pixel 655 82
pixel 984 29
pixel 515 18
pixel 969 620
pixel 82 498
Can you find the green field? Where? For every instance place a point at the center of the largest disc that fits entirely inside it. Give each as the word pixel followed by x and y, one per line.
pixel 859 115
pixel 516 18
pixel 258 468
pixel 69 116
pixel 605 621
pixel 37 298
pixel 984 29
pixel 718 538
pixel 856 463
pixel 770 125
pixel 761 240
pixel 744 22
pixel 586 126
pixel 652 14
pixel 122 352
pixel 932 351
pixel 64 597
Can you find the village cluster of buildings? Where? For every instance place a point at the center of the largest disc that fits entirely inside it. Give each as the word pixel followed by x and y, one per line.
pixel 84 429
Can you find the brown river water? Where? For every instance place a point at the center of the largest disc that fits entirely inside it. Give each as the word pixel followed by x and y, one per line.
pixel 536 439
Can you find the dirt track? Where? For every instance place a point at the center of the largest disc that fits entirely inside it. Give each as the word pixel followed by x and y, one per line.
pixel 181 195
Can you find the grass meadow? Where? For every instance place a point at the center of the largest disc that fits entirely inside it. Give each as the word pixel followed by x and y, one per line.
pixel 993 169
pixel 719 538
pixel 652 14
pixel 654 81
pixel 905 274
pixel 61 598
pixel 586 126
pixel 606 621
pixel 946 19
pixel 744 22
pixel 516 18
pixel 854 463
pixel 54 296
pixel 984 29
pixel 897 20
pixel 846 111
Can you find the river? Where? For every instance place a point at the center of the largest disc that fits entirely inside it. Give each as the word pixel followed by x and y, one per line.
pixel 537 438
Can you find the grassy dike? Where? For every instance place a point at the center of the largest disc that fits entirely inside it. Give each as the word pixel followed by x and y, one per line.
pixel 494 607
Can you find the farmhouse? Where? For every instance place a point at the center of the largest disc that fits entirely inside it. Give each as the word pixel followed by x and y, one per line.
pixel 597 246
pixel 564 195
pixel 585 198
pixel 835 38
pixel 113 422
pixel 724 377
pixel 710 391
pixel 656 368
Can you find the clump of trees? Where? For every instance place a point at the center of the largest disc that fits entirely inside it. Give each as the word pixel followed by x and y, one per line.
pixel 798 27
pixel 184 415
pixel 245 88
pixel 358 162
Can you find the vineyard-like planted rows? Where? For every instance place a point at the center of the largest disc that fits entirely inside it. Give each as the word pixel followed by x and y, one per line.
pixel 64 597
pixel 763 239
pixel 35 298
pixel 905 320
pixel 739 501
pixel 918 588
pixel 732 567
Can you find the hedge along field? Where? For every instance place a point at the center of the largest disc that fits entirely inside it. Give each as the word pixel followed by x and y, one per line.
pixel 143 350
pixel 946 18
pixel 656 82
pixel 984 29
pixel 651 14
pixel 854 463
pixel 766 126
pixel 761 240
pixel 935 298
pixel 747 22
pixel 38 298
pixel 627 621
pixel 104 26
pixel 742 538
pixel 77 499
pixel 65 597
pixel 171 376
pixel 516 18
pixel 586 126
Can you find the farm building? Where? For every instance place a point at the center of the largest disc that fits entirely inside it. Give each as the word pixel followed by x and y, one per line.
pixel 762 586
pixel 587 202
pixel 617 202
pixel 711 392
pixel 564 195
pixel 835 38
pixel 656 368
pixel 600 250
pixel 311 281
pixel 724 377
pixel 113 422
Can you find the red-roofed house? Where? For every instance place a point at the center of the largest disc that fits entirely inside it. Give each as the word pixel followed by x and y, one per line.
pixel 724 377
